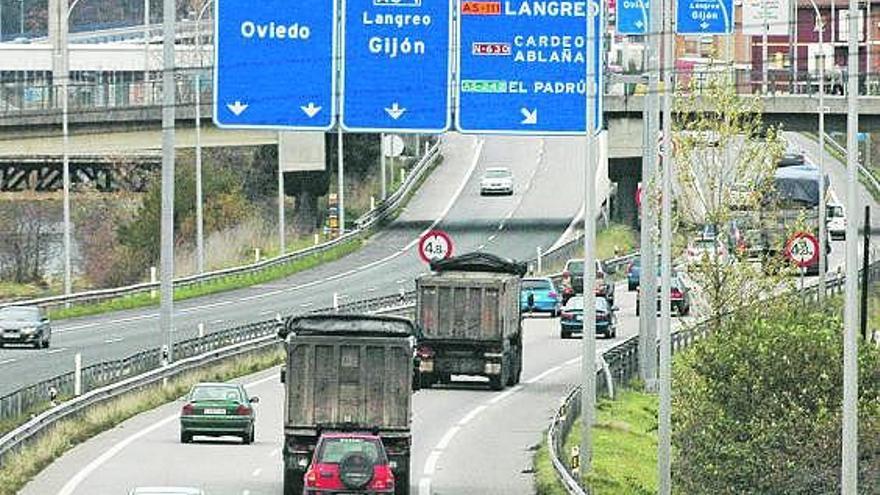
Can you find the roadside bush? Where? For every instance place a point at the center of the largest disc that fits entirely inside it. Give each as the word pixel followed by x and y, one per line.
pixel 757 406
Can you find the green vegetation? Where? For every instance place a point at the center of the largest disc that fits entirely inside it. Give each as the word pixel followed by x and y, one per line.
pixel 617 238
pixel 12 290
pixel 624 449
pixel 224 284
pixel 64 435
pixel 757 406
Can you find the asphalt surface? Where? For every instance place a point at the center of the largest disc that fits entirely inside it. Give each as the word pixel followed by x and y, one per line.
pixel 548 175
pixel 466 438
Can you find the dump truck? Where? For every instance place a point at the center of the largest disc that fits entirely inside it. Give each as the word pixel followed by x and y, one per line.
pixel 468 316
pixel 348 381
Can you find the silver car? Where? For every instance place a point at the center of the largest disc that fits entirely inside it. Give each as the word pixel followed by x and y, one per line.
pixel 25 325
pixel 496 180
pixel 166 490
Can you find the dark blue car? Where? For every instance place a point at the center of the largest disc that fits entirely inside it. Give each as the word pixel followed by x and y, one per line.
pixel 633 270
pixel 572 319
pixel 539 295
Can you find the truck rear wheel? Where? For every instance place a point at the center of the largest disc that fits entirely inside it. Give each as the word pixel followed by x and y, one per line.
pixel 293 482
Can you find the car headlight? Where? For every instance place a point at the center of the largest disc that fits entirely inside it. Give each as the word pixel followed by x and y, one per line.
pixel 28 330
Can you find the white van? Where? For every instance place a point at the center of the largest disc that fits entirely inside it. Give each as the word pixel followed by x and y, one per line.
pixel 835 221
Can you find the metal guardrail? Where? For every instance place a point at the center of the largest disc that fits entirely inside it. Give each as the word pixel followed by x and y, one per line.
pixel 621 364
pixel 110 379
pixel 874 184
pixel 363 225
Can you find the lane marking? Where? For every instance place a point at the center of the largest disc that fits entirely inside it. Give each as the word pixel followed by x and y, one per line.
pixel 246 492
pixel 73 483
pixel 56 351
pixel 401 281
pixel 274 452
pixel 113 340
pixel 425 486
pixel 544 375
pixel 431 462
pixel 8 361
pixel 257 472
pixel 471 415
pixel 500 397
pixel 306 304
pixel 444 442
pixel 111 322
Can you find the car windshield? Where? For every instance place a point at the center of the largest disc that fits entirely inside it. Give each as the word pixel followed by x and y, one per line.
pixel 577 304
pixel 210 392
pixel 20 314
pixel 576 267
pixel 497 174
pixel 334 449
pixel 536 285
pixel 835 211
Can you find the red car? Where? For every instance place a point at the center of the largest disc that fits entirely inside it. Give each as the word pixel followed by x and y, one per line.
pixel 349 463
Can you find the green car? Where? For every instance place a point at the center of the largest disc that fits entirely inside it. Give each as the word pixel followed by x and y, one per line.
pixel 218 409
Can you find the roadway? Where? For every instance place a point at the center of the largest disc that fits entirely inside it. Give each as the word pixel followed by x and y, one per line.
pixel 466 439
pixel 548 176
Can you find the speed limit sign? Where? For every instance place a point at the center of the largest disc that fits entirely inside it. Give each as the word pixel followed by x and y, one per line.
pixel 435 245
pixel 803 249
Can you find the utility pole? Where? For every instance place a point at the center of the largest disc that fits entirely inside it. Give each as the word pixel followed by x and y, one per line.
pixel 166 281
pixel 866 262
pixel 281 223
pixel 664 454
pixel 849 464
pixel 382 165
pixel 588 342
pixel 340 178
pixel 823 241
pixel 200 222
pixel 648 270
pixel 764 62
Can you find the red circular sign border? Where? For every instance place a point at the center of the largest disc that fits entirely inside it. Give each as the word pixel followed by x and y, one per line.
pixel 432 233
pixel 802 235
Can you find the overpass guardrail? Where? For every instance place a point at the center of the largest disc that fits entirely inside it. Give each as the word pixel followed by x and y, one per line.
pixel 363 225
pixel 620 364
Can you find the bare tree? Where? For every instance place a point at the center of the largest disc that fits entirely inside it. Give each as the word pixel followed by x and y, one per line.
pixel 25 239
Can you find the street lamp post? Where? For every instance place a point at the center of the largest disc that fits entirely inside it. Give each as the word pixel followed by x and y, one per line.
pixel 21 17
pixel 200 224
pixel 823 261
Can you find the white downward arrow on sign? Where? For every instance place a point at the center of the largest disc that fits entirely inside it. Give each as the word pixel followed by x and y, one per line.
pixel 311 109
pixel 639 24
pixel 704 25
pixel 395 111
pixel 237 108
pixel 531 116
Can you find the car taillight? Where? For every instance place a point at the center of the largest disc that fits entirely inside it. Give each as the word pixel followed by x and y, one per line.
pixel 188 410
pixel 311 479
pixel 566 275
pixel 383 478
pixel 567 316
pixel 675 293
pixel 552 295
pixel 242 410
pixel 425 352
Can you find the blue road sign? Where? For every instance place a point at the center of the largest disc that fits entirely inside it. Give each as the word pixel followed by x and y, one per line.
pixel 273 64
pixel 632 16
pixel 396 65
pixel 704 16
pixel 522 66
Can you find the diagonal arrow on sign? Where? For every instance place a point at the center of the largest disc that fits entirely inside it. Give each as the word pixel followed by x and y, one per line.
pixel 531 116
pixel 237 108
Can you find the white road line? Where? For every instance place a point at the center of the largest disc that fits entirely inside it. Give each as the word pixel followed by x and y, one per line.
pixel 492 237
pixel 431 462
pixel 70 487
pixel 274 453
pixel 111 322
pixel 544 375
pixel 8 361
pixel 372 289
pixel 246 492
pixel 500 397
pixel 113 340
pixel 572 361
pixel 481 246
pixel 425 486
pixel 214 322
pixel 401 282
pixel 306 304
pixel 471 415
pixel 257 472
pixel 444 442
pixel 56 351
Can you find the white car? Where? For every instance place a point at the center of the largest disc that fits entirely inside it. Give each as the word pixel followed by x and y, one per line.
pixel 835 221
pixel 166 490
pixel 496 180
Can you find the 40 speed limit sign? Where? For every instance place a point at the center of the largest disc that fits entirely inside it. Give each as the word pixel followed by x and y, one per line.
pixel 802 248
pixel 435 245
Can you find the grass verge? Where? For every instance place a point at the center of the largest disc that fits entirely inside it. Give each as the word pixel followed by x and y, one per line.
pixel 224 284
pixel 18 469
pixel 617 237
pixel 624 449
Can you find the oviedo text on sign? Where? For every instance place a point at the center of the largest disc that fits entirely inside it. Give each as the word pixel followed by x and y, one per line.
pixel 522 66
pixel 274 64
pixel 397 62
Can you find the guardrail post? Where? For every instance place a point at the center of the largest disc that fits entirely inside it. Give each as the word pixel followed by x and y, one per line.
pixel 256 255
pixel 77 374
pixel 201 329
pixel 372 203
pixel 317 239
pixel 152 281
pixel 335 301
